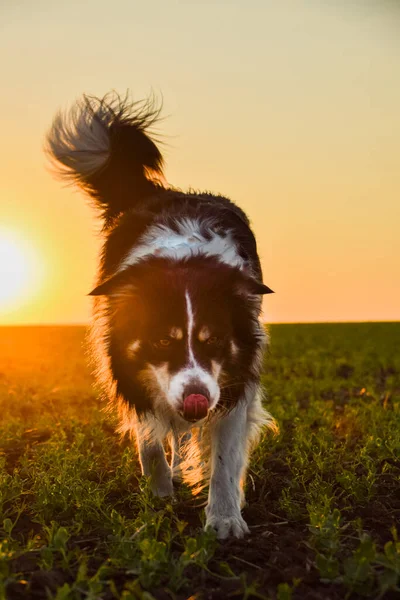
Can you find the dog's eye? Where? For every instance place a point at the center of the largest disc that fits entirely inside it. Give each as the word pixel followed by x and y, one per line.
pixel 164 343
pixel 212 340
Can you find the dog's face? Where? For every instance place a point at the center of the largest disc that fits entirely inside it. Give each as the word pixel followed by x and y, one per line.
pixel 184 350
pixel 175 328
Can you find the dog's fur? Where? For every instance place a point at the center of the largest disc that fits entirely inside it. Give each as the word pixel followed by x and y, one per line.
pixel 177 305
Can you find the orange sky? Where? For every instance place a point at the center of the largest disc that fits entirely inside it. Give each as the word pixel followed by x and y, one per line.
pixel 290 108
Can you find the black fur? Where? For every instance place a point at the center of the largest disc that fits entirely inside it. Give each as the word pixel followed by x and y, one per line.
pixel 153 302
pixel 134 164
pixel 143 301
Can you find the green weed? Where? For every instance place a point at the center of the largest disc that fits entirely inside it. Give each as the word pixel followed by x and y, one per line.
pixel 78 522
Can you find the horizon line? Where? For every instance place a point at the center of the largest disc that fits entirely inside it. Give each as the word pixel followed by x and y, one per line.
pixel 87 324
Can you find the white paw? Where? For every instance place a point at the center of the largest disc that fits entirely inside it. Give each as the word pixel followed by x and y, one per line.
pixel 226 525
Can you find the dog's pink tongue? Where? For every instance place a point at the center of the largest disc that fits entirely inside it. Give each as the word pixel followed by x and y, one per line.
pixel 195 407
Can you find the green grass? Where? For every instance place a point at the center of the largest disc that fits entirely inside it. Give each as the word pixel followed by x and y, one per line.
pixel 78 522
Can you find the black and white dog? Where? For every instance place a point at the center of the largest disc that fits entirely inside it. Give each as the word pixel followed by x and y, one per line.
pixel 176 314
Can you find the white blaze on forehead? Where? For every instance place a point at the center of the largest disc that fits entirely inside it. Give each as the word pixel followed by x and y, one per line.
pixel 190 326
pixel 192 373
pixel 184 241
pixel 173 387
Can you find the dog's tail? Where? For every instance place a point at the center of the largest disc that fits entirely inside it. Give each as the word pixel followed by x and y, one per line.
pixel 103 146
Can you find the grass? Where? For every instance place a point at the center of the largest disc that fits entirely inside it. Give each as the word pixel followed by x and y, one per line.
pixel 78 522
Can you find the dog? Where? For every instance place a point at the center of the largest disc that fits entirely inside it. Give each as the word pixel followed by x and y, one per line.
pixel 176 330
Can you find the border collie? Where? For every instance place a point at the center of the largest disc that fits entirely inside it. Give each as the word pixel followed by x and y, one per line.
pixel 177 336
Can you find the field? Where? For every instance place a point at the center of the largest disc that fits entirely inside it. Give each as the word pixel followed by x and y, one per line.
pixel 78 522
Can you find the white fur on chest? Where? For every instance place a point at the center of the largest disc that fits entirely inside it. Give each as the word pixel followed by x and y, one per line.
pixel 187 241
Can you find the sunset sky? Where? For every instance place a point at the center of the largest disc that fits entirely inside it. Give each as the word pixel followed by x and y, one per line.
pixel 290 108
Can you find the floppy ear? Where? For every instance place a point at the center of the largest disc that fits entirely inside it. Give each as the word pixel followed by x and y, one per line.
pixel 112 286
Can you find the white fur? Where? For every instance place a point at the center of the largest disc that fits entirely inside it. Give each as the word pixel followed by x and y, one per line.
pixel 190 326
pixel 228 461
pixel 232 438
pixel 192 375
pixel 80 140
pixel 220 449
pixel 172 388
pixel 160 240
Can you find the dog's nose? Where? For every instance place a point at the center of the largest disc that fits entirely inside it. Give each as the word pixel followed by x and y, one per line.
pixel 195 407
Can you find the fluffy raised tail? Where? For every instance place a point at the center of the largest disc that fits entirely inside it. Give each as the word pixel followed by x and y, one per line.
pixel 103 146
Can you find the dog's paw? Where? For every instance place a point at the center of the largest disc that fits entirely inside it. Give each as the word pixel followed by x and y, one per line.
pixel 227 525
pixel 162 487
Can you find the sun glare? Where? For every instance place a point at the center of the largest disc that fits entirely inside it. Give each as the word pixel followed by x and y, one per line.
pixel 17 270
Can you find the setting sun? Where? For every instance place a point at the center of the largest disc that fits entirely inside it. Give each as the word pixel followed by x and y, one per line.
pixel 17 270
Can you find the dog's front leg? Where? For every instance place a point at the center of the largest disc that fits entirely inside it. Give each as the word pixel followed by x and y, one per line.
pixel 178 447
pixel 228 463
pixel 149 438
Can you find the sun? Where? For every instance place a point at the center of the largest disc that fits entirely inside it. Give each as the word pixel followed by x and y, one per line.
pixel 16 269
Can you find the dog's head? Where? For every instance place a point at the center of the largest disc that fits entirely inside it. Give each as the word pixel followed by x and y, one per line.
pixel 185 332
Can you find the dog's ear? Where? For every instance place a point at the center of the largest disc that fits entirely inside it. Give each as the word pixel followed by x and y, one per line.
pixel 116 285
pixel 250 286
